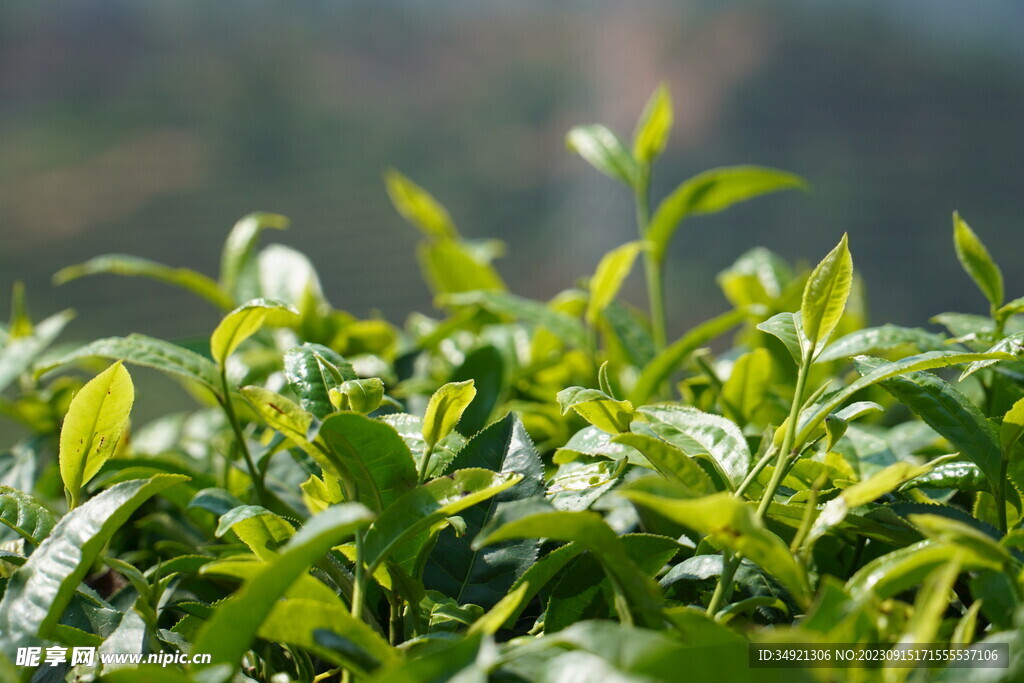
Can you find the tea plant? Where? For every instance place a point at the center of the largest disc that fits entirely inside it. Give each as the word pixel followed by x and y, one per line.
pixel 518 489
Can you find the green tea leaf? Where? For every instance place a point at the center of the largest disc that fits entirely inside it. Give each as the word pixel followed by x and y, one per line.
pixel 24 515
pixel 565 327
pixel 964 476
pixel 445 408
pixel 96 418
pixel 608 278
pixel 604 151
pixel 430 504
pixel 975 259
pixel 872 340
pixel 783 326
pixel 826 293
pixel 376 458
pixel 746 390
pixel 666 362
pixel 589 530
pixel 121 264
pixel 455 567
pixel 810 419
pixel 670 461
pixel 358 395
pixel 260 529
pixel 585 590
pixel 39 591
pixel 238 274
pixel 300 622
pixel 952 415
pixel 228 634
pixel 312 370
pixel 597 408
pixel 17 355
pixel 732 524
pixel 1012 428
pixel 654 126
pixel 1013 344
pixel 931 604
pixel 905 568
pixel 245 321
pixel 449 266
pixel 697 432
pixel 710 192
pixel 139 349
pixel 417 206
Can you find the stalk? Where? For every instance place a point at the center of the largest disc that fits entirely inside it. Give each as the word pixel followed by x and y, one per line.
pixel 427 454
pixel 229 411
pixel 652 269
pixel 359 590
pixel 787 441
pixel 723 591
pixel 1001 493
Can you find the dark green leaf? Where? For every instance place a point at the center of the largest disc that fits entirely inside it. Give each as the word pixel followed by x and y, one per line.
pixel 312 370
pixel 228 634
pixel 474 576
pixel 423 507
pixel 39 590
pixel 588 530
pixel 22 513
pixel 565 327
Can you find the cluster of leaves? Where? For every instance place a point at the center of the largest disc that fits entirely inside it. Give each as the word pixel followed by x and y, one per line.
pixel 518 489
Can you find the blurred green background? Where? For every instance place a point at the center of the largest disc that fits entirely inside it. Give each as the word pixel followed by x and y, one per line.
pixel 149 127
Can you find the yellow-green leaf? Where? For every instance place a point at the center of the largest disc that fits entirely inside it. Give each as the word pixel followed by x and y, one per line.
pixel 975 259
pixel 445 410
pixel 733 524
pixel 245 321
pixel 604 151
pixel 608 278
pixel 1013 427
pixel 826 293
pixel 597 408
pixel 417 206
pixel 94 423
pixel 654 126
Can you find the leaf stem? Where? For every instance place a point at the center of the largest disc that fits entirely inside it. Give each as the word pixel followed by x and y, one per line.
pixel 787 440
pixel 652 268
pixel 730 563
pixel 1001 493
pixel 359 590
pixel 425 464
pixel 229 411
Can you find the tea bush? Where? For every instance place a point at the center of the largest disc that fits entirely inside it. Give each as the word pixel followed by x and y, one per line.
pixel 518 489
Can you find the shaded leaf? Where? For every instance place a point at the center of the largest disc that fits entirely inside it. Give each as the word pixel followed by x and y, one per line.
pixel 484 577
pixel 39 591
